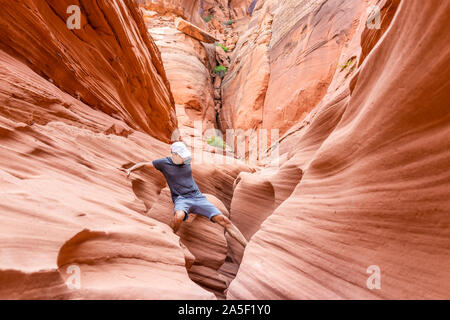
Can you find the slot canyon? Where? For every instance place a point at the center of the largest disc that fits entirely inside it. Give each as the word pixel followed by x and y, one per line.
pixel 352 96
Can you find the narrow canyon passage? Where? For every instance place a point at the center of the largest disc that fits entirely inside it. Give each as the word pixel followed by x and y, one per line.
pixel 351 96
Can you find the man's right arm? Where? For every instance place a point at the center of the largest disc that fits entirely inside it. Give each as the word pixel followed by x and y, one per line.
pixel 140 165
pixel 136 167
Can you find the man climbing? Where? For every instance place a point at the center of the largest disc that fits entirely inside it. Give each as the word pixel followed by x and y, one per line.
pixel 186 195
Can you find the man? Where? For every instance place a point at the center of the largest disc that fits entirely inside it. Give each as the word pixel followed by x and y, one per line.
pixel 185 193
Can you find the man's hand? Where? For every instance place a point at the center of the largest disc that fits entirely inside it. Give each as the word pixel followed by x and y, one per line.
pixel 127 171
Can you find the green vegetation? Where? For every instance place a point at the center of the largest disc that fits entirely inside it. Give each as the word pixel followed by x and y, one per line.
pixel 220 70
pixel 348 63
pixel 223 47
pixel 216 141
pixel 229 22
pixel 208 18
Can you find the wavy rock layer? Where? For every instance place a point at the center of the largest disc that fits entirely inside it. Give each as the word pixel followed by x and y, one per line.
pixel 362 178
pixel 187 67
pixel 63 203
pixel 203 239
pixel 375 184
pixel 109 63
pixel 188 63
pixel 59 179
pixel 285 61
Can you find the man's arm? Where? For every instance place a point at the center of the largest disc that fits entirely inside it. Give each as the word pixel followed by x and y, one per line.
pixel 137 166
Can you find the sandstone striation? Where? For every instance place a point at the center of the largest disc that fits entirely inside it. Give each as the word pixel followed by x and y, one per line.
pixel 375 188
pixel 284 62
pixel 65 206
pixel 108 64
pixel 357 180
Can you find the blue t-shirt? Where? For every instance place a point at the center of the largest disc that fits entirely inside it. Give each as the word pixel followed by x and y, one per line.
pixel 178 177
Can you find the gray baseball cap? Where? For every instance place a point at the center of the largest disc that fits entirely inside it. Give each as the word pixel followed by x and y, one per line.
pixel 180 149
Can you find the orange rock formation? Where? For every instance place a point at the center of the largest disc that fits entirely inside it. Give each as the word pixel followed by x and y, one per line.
pixel 362 104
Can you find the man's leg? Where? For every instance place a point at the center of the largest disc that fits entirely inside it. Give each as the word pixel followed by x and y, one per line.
pixel 177 219
pixel 230 228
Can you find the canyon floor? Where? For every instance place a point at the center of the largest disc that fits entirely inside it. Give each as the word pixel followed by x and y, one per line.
pixel 342 184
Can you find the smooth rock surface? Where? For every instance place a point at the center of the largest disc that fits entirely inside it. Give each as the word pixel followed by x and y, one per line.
pixel 375 186
pixel 108 64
